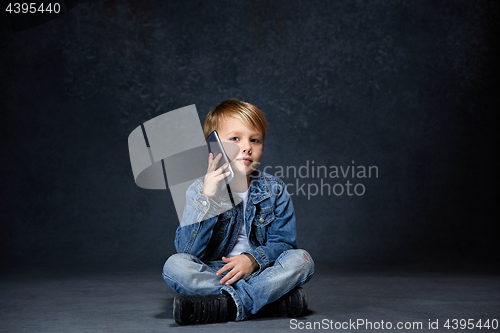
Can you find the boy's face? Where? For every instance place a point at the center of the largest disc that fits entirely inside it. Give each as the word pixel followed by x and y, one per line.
pixel 249 141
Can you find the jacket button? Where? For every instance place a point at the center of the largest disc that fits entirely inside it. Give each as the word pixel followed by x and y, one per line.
pixel 261 219
pixel 204 203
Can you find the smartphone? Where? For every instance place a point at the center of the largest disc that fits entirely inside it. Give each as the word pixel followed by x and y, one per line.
pixel 215 147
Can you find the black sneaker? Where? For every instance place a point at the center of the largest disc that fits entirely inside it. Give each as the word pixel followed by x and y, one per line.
pixel 202 309
pixel 293 304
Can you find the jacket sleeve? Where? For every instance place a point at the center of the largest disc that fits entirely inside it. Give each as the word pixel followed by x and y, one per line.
pixel 198 219
pixel 281 232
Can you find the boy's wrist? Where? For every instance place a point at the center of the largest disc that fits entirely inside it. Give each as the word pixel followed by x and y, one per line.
pixel 205 194
pixel 255 264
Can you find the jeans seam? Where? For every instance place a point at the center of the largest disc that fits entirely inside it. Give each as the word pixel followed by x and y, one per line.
pixel 174 282
pixel 237 300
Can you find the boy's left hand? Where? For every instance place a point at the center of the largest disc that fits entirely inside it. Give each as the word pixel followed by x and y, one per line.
pixel 239 267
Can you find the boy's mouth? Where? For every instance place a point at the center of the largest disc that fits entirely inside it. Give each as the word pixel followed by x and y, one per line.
pixel 245 159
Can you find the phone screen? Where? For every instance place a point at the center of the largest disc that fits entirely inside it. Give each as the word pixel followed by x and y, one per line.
pixel 215 147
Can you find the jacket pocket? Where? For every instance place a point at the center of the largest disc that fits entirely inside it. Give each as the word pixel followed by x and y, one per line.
pixel 261 222
pixel 264 217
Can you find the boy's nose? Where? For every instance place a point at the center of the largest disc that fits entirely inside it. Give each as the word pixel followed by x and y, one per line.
pixel 245 147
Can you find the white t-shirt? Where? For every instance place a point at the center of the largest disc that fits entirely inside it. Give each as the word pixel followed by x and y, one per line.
pixel 242 244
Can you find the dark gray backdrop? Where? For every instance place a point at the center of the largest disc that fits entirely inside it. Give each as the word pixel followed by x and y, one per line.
pixel 410 87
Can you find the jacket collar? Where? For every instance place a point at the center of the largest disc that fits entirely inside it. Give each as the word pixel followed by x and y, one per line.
pixel 259 188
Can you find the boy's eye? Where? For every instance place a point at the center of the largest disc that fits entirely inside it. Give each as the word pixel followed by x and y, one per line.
pixel 255 140
pixel 234 138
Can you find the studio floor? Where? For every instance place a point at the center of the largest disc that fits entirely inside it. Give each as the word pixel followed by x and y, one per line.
pixel 99 299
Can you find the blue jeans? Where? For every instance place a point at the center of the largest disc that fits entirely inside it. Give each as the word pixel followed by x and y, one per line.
pixel 187 274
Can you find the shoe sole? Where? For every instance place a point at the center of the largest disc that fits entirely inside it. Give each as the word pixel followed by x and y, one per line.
pixel 292 310
pixel 201 313
pixel 178 308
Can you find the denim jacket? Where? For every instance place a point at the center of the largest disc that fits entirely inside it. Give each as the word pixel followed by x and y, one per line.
pixel 269 209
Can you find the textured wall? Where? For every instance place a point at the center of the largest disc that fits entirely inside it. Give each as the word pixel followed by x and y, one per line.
pixel 410 87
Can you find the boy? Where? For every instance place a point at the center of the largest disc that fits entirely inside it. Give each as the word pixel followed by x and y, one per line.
pixel 230 265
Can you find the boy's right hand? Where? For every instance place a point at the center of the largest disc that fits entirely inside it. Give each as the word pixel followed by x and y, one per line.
pixel 213 177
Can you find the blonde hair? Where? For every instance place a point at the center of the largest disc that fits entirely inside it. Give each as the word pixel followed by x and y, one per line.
pixel 246 112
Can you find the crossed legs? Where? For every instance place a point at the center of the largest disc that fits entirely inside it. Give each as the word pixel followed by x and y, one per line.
pixel 187 274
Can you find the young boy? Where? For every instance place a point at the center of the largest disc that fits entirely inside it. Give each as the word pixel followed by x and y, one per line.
pixel 231 265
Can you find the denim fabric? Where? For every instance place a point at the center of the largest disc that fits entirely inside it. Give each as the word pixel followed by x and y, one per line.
pixel 187 274
pixel 270 225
